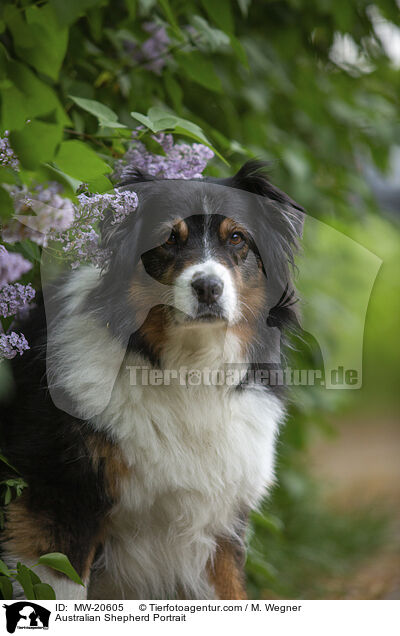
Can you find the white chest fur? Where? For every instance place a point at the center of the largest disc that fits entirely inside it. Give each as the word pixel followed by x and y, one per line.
pixel 199 455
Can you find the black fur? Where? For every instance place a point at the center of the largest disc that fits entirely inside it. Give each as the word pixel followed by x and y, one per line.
pixel 47 446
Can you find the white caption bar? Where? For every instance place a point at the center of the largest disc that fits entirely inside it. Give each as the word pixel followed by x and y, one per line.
pixel 153 617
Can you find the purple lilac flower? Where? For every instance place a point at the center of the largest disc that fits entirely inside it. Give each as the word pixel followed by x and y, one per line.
pixel 182 161
pixel 53 213
pixel 11 344
pixel 12 266
pixel 7 155
pixel 121 202
pixel 152 54
pixel 84 246
pixel 155 47
pixel 82 242
pixel 15 297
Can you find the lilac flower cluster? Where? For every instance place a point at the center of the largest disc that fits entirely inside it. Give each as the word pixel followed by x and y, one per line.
pixel 7 155
pixel 11 344
pixel 52 213
pixel 181 161
pixel 12 266
pixel 122 203
pixel 14 298
pixel 152 54
pixel 82 242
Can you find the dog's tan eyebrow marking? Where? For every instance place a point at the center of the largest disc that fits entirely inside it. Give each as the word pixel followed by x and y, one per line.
pixel 227 227
pixel 177 225
pixel 181 227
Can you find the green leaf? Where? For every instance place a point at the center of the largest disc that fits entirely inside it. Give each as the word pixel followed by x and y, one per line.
pixel 34 577
pixel 6 588
pixel 19 28
pixel 158 119
pixel 39 39
pixel 6 207
pixel 61 563
pixel 260 568
pixel 144 120
pixel 174 90
pixel 239 50
pixel 36 143
pixel 162 119
pixel 20 486
pixel 32 250
pixel 8 175
pixel 79 161
pixel 267 522
pixel 209 37
pixel 220 12
pixel 189 129
pixel 28 98
pixel 4 569
pixel 152 145
pixel 200 69
pixel 69 11
pixel 24 578
pixel 100 185
pixel 166 7
pixel 44 592
pixel 14 108
pixel 74 184
pixel 105 116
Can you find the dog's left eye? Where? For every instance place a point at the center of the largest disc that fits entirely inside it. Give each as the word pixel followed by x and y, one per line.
pixel 236 238
pixel 172 239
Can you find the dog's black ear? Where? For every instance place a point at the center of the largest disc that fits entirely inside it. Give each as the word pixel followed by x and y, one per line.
pixel 253 177
pixel 276 234
pixel 132 175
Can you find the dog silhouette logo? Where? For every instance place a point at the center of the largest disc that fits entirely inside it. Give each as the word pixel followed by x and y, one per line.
pixel 26 615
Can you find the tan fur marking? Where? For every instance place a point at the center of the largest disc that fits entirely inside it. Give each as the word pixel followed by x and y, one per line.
pixel 143 294
pixel 153 329
pixel 27 534
pixel 181 227
pixel 252 295
pixel 114 465
pixel 227 227
pixel 226 572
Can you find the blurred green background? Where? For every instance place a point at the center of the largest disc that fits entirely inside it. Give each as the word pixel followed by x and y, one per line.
pixel 314 88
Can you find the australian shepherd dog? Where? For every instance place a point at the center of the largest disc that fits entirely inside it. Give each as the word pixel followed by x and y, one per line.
pixel 142 418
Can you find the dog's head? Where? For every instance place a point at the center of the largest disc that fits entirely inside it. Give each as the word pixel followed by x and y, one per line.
pixel 196 252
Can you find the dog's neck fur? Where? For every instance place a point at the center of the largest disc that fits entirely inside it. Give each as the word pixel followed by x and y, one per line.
pixel 208 345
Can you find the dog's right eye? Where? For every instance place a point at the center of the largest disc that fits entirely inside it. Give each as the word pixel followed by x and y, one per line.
pixel 173 238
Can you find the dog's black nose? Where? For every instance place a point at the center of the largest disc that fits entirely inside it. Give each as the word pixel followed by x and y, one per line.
pixel 207 289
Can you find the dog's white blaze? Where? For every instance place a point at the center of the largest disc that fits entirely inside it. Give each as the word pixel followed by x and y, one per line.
pixel 185 300
pixel 199 455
